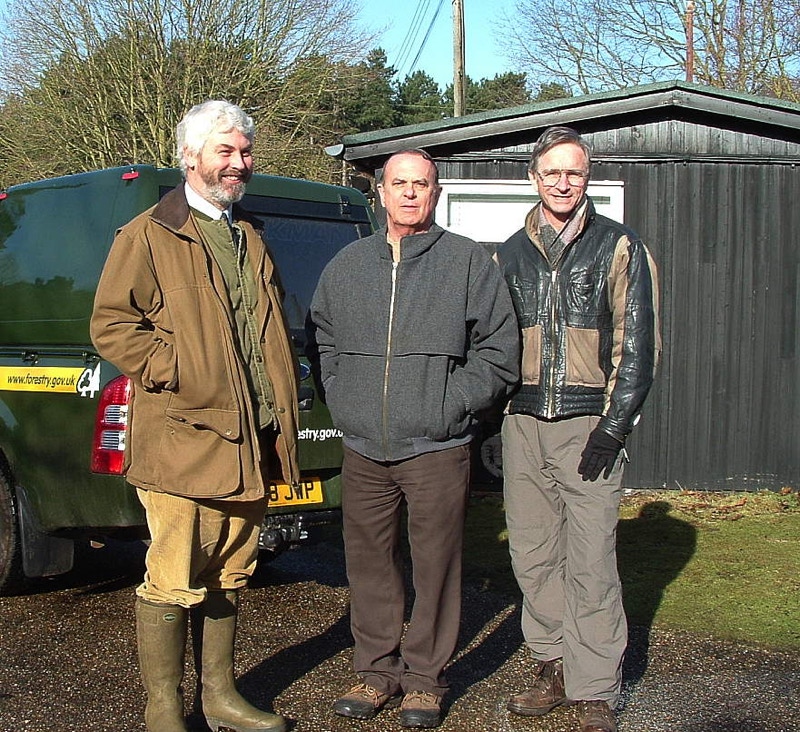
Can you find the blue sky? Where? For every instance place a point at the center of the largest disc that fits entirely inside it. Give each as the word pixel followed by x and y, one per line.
pixel 482 47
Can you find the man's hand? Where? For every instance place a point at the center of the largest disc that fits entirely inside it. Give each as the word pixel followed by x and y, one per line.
pixel 601 451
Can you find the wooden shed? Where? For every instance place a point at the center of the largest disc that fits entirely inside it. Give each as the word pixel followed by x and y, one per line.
pixel 710 180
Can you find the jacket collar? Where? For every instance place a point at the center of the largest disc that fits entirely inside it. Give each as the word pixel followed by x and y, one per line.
pixel 413 245
pixel 172 211
pixel 586 213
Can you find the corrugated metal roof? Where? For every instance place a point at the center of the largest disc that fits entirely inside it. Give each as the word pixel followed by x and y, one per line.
pixel 485 129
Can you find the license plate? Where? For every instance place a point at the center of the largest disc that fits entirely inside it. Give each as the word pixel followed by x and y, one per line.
pixel 305 492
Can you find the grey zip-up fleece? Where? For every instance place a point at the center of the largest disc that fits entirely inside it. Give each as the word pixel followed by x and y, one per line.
pixel 412 352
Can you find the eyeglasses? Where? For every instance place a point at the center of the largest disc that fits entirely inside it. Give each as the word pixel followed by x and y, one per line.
pixel 551 178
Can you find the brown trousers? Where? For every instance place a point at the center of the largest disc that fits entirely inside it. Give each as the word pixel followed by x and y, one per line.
pixel 434 487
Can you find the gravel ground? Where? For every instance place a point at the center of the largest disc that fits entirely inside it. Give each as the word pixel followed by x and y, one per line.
pixel 68 659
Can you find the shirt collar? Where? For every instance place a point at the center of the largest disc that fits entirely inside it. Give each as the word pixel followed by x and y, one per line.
pixel 198 203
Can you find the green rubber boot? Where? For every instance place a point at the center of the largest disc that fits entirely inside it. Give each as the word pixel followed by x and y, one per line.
pixel 214 633
pixel 161 639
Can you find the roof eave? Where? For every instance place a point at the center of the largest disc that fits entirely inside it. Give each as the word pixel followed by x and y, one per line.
pixel 572 110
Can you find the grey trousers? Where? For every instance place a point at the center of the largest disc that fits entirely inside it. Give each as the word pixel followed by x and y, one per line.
pixel 434 487
pixel 562 539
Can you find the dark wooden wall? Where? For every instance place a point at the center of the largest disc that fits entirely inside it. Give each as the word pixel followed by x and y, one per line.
pixel 720 210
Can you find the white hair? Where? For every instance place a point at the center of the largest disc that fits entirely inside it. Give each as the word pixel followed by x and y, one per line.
pixel 203 120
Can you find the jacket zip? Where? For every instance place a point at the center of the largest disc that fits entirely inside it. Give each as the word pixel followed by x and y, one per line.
pixel 386 365
pixel 551 394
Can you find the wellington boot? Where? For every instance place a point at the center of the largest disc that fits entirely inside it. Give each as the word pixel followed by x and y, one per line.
pixel 161 639
pixel 214 634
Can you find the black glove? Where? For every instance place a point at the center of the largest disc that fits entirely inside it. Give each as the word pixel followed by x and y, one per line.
pixel 601 451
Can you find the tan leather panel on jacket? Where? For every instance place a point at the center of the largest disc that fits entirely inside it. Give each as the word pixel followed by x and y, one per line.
pixel 531 354
pixel 583 362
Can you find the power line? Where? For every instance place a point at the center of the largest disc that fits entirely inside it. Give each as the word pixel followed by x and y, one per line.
pixel 427 35
pixel 409 41
pixel 411 36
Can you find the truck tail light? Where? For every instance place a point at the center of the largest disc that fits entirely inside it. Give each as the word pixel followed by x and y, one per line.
pixel 111 427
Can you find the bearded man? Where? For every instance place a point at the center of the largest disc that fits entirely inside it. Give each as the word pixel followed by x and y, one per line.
pixel 189 308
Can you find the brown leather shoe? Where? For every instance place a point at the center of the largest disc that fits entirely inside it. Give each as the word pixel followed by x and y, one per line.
pixel 546 693
pixel 364 702
pixel 596 716
pixel 421 709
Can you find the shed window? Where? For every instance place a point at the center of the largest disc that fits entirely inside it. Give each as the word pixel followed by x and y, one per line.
pixel 489 211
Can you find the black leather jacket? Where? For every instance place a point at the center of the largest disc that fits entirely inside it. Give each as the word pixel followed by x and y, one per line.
pixel 588 322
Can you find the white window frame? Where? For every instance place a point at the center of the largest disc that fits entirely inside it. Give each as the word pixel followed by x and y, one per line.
pixel 489 211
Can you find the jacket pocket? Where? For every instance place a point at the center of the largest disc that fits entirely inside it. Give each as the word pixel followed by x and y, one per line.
pixel 224 422
pixel 456 416
pixel 160 371
pixel 424 400
pixel 199 452
pixel 354 395
pixel 583 358
pixel 584 297
pixel 531 354
pixel 450 419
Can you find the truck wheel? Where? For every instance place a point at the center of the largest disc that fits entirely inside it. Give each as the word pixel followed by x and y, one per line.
pixel 11 576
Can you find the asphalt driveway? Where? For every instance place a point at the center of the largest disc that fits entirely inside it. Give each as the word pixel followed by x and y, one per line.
pixel 68 659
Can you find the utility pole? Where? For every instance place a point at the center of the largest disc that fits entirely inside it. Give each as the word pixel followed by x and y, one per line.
pixel 458 58
pixel 690 40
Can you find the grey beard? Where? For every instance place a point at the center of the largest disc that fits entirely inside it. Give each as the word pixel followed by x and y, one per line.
pixel 223 197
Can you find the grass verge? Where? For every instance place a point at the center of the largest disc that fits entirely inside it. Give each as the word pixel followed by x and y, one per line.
pixel 725 564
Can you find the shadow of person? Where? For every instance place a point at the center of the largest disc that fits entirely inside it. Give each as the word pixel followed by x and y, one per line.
pixel 490 630
pixel 277 673
pixel 266 681
pixel 490 636
pixel 652 550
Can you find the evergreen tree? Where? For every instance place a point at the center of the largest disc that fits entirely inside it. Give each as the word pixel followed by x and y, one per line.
pixel 504 90
pixel 551 91
pixel 419 99
pixel 369 105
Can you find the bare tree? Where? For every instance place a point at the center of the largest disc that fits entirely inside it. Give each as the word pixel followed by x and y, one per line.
pixel 95 83
pixel 595 45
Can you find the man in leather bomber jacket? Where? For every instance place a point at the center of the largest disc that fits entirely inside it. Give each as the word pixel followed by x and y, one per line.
pixel 586 297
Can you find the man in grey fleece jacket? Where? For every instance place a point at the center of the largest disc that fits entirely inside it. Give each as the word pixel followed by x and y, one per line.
pixel 416 337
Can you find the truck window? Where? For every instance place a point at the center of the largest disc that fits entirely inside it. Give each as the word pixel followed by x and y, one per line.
pixel 302 248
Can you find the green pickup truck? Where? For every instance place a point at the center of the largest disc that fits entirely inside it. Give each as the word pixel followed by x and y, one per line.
pixel 63 410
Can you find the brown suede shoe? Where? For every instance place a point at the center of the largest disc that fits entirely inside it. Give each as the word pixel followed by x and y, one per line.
pixel 421 709
pixel 364 702
pixel 596 716
pixel 546 693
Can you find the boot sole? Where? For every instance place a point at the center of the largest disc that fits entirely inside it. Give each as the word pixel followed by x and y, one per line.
pixel 216 724
pixel 535 711
pixel 344 710
pixel 420 720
